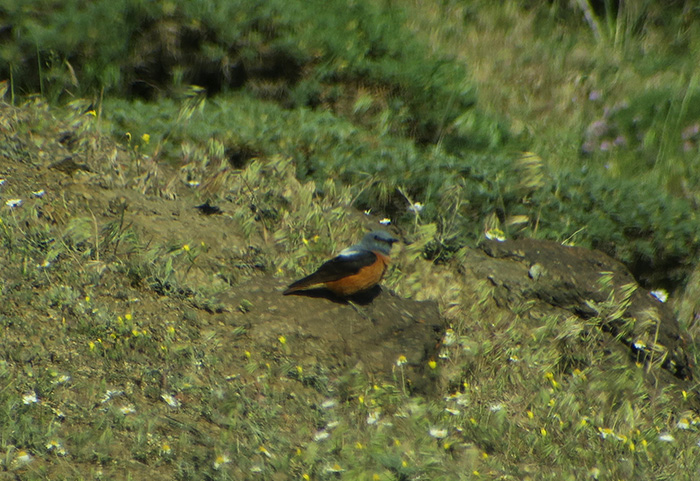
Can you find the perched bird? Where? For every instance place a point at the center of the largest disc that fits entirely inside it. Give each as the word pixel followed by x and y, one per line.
pixel 355 269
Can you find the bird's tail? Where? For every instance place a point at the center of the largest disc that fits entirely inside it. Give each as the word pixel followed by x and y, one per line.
pixel 299 285
pixel 290 289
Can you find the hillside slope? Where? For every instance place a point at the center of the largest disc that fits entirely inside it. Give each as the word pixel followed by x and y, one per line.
pixel 144 338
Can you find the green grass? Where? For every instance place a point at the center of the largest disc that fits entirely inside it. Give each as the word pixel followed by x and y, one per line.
pixel 356 59
pixel 379 108
pixel 633 220
pixel 112 329
pixel 130 376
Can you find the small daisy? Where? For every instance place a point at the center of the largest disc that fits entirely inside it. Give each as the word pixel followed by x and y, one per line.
pixel 111 393
pixel 321 435
pixel 401 360
pixel 30 398
pixel 329 403
pixel 12 203
pixel 437 433
pixel 56 446
pixel 171 400
pixel 39 193
pixel 449 338
pixel 263 450
pixel 494 408
pixel 373 417
pixel 416 208
pixel 385 221
pixel 666 437
pixel 660 294
pixel 221 460
pixel 62 379
pixel 128 409
pixel 23 457
pixel 334 469
pixel 495 234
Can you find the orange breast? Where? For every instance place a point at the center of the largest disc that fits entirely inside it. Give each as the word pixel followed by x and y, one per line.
pixel 364 279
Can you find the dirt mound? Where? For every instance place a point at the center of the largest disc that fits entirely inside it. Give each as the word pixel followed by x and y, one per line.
pixel 574 279
pixel 372 333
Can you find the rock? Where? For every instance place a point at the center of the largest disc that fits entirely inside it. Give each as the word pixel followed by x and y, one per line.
pixel 570 278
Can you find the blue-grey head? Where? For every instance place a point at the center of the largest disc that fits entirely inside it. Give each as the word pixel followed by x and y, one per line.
pixel 379 241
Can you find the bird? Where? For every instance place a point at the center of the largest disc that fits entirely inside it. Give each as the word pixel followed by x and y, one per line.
pixel 355 269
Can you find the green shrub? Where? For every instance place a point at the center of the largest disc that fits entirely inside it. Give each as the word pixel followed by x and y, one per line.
pixel 297 53
pixel 655 234
pixel 656 130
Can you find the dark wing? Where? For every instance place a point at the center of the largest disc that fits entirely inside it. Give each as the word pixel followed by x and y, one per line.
pixel 335 269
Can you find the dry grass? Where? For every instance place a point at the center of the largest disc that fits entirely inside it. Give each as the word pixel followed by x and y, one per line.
pixel 113 369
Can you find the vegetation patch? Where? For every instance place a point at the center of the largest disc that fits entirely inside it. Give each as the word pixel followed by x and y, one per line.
pixel 356 59
pixel 182 163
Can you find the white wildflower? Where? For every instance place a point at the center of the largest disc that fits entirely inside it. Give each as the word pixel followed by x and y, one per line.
pixel 373 417
pixel 221 460
pixel 416 208
pixel 111 393
pixel 660 294
pixel 30 398
pixel 171 400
